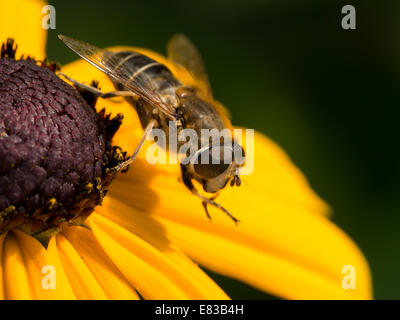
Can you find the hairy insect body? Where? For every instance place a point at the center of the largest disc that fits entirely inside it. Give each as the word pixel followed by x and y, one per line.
pixel 156 77
pixel 192 111
pixel 159 98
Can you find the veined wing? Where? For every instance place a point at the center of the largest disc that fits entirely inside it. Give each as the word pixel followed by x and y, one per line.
pixel 182 51
pixel 129 75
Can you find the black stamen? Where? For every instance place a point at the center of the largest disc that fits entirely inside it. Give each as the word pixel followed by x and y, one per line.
pixel 8 49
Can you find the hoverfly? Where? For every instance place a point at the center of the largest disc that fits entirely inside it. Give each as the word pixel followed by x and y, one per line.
pixel 159 97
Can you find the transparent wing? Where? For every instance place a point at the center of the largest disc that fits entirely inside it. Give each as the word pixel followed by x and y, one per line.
pixel 182 51
pixel 128 74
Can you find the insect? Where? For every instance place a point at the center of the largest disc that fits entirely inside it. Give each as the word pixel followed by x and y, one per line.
pixel 159 98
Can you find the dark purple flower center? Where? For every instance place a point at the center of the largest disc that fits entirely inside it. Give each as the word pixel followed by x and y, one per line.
pixel 54 150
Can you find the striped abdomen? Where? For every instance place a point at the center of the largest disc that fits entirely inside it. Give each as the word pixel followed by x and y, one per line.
pixel 148 74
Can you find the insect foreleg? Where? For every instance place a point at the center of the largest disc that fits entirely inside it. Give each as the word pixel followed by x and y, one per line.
pixel 187 180
pixel 142 140
pixel 97 92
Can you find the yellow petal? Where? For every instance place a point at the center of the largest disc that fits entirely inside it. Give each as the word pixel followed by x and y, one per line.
pixel 22 20
pixel 278 273
pixel 2 292
pixel 294 236
pixel 284 227
pixel 108 276
pixel 83 282
pixel 147 269
pixel 152 232
pixel 40 264
pixel 276 177
pixel 62 280
pixel 16 279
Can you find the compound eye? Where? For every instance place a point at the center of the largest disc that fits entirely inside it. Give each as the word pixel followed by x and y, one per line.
pixel 209 171
pixel 208 167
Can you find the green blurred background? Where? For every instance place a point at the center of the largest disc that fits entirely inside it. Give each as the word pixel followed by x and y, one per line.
pixel 330 97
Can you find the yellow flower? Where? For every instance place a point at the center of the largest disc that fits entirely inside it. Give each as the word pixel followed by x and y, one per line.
pixel 150 232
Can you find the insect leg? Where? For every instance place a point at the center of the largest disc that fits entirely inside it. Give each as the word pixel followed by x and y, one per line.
pixel 96 91
pixel 204 200
pixel 146 133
